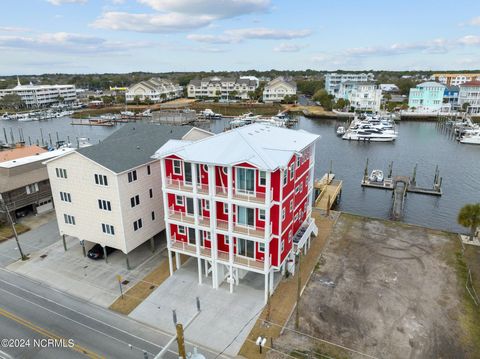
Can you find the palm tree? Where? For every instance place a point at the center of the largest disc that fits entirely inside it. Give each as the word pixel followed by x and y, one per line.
pixel 469 216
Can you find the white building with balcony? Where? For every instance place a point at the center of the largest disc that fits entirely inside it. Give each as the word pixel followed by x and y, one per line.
pixel 155 90
pixel 363 96
pixel 333 80
pixel 278 88
pixel 239 202
pixel 224 88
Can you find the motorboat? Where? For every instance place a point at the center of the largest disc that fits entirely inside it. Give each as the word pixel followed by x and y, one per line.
pixel 369 135
pixel 208 113
pixel 471 140
pixel 376 176
pixel 5 116
pixel 127 113
pixel 146 113
pixel 341 130
pixel 27 119
pixel 83 142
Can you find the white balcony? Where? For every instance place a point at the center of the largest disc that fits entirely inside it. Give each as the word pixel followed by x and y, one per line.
pixel 243 195
pixel 183 217
pixel 241 229
pixel 190 248
pixel 241 260
pixel 185 186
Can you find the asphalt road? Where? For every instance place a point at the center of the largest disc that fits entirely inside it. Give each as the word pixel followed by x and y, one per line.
pixel 30 310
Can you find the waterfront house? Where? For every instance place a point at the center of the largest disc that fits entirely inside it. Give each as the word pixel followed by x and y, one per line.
pixel 333 80
pixel 450 97
pixel 363 96
pixel 276 89
pixel 221 88
pixel 156 90
pixel 455 79
pixel 239 202
pixel 110 193
pixel 42 95
pixel 24 183
pixel 469 93
pixel 427 96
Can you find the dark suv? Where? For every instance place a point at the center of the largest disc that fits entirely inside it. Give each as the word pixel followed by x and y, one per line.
pixel 96 252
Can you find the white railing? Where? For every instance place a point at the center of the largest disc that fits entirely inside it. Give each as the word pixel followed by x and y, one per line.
pixel 189 247
pixel 241 260
pixel 181 185
pixel 241 229
pixel 243 195
pixel 184 217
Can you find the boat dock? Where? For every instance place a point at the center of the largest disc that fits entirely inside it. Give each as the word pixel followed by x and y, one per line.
pixel 401 185
pixel 329 191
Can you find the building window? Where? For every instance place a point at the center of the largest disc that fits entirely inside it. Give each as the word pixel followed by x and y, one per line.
pixel 261 247
pixel 137 224
pixel 31 188
pixel 65 197
pixel 150 192
pixel 108 229
pixel 207 205
pixel 61 172
pixel 282 246
pixel 291 205
pixel 298 161
pixel 263 178
pixel 177 167
pixel 205 168
pixel 283 214
pixel 153 215
pixel 149 172
pixel 301 187
pixel 207 235
pixel 290 236
pixel 69 219
pixel 296 189
pixel 261 214
pixel 105 205
pixel 101 180
pixel 292 171
pixel 224 169
pixel 225 208
pixel 181 229
pixel 135 201
pixel 179 200
pixel 132 176
pixel 285 176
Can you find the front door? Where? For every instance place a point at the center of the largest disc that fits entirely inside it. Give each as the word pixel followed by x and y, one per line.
pixel 245 180
pixel 246 216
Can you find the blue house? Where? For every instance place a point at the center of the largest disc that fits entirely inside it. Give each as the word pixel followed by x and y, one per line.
pixel 427 96
pixel 450 96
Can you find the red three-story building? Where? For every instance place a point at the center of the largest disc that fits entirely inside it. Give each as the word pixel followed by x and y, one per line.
pixel 239 201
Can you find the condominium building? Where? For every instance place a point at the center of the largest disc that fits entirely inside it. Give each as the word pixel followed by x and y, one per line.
pixel 110 193
pixel 225 88
pixel 155 90
pixel 239 202
pixel 24 184
pixel 333 80
pixel 278 88
pixel 470 94
pixel 363 96
pixel 427 96
pixel 42 95
pixel 455 79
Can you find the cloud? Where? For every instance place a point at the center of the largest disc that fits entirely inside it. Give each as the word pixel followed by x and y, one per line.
pixel 13 29
pixel 61 2
pixel 66 43
pixel 178 15
pixel 469 40
pixel 239 35
pixel 475 21
pixel 218 9
pixel 289 47
pixel 155 23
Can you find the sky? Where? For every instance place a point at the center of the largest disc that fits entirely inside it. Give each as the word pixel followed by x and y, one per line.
pixel 97 36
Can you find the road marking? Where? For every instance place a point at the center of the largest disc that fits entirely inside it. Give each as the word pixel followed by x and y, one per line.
pixel 48 334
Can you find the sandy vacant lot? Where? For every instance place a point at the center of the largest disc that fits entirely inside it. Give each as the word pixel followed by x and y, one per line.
pixel 388 290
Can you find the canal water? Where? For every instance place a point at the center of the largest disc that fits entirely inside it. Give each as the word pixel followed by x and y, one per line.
pixel 421 143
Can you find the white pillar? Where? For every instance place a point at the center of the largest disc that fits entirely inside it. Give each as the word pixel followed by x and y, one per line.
pixel 271 280
pixel 170 262
pixel 266 288
pixel 230 224
pixel 213 224
pixel 196 215
pixel 206 268
pixel 177 260
pixel 165 216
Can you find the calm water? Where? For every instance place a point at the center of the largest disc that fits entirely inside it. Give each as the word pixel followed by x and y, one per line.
pixel 421 143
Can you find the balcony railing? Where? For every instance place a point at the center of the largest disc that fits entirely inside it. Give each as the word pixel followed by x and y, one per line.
pixel 186 186
pixel 243 195
pixel 241 260
pixel 190 248
pixel 241 229
pixel 185 218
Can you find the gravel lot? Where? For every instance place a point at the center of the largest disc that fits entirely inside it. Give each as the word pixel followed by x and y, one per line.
pixel 386 289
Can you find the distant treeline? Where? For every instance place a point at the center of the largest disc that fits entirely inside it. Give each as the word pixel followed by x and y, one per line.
pixel 105 81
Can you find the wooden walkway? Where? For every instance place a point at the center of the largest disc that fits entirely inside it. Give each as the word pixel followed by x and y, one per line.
pixel 328 191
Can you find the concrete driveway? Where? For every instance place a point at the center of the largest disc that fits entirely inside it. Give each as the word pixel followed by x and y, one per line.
pixel 225 320
pixel 92 280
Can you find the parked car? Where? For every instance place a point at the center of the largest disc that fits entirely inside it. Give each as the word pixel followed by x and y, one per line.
pixel 96 252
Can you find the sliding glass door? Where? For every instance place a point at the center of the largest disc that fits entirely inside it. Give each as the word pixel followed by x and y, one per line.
pixel 187 170
pixel 245 180
pixel 245 248
pixel 245 216
pixel 191 235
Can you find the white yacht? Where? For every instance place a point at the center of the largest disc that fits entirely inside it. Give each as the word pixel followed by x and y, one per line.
pixel 341 130
pixel 369 135
pixel 376 176
pixel 471 140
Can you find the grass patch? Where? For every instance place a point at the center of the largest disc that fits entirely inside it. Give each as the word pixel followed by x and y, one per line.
pixel 470 315
pixel 6 231
pixel 321 351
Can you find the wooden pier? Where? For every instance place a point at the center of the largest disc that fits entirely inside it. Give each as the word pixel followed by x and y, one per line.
pixel 329 191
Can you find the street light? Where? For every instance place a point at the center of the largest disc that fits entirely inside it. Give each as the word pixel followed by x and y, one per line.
pixel 5 208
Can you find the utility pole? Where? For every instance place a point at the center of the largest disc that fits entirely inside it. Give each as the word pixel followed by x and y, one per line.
pixel 297 311
pixel 5 208
pixel 180 341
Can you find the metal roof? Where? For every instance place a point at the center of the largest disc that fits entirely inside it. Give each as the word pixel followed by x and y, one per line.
pixel 264 146
pixel 132 145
